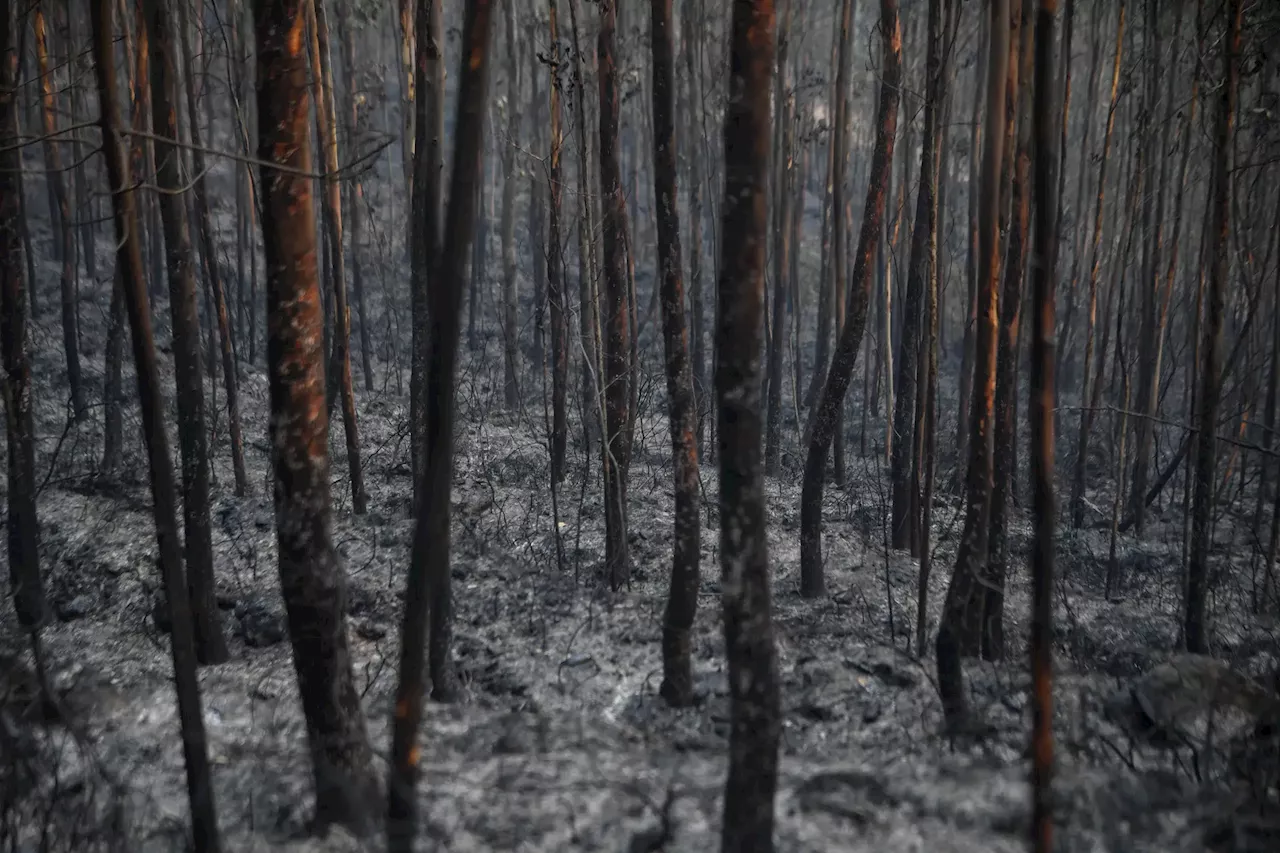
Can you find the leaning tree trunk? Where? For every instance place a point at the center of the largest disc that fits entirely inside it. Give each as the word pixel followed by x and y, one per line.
pixel 826 417
pixel 163 494
pixel 617 363
pixel 959 631
pixel 311 574
pixel 1195 629
pixel 682 600
pixel 755 714
pixel 183 311
pixel 66 251
pixel 428 596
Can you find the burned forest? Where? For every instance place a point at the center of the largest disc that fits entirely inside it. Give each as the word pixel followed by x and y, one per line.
pixel 640 425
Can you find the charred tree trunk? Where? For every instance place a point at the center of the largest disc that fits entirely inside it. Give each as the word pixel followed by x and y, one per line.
pixel 1086 412
pixel 428 596
pixel 682 600
pixel 784 105
pixel 826 417
pixel 338 375
pixel 163 494
pixel 23 524
pixel 213 279
pixel 755 713
pixel 184 314
pixel 510 182
pixel 1195 627
pixel 1008 352
pixel 617 310
pixel 960 630
pixel 63 232
pixel 355 205
pixel 427 178
pixel 311 574
pixel 919 271
pixel 1040 414
pixel 556 290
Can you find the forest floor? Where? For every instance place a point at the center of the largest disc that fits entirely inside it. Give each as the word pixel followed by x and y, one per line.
pixel 561 742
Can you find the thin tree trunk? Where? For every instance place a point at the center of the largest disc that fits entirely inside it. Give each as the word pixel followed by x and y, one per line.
pixel 556 289
pixel 784 106
pixel 682 600
pixel 213 279
pixel 1086 414
pixel 1196 631
pixel 1040 415
pixel 183 309
pixel 826 415
pixel 919 271
pixel 1017 116
pixel 701 387
pixel 960 630
pixel 510 319
pixel 588 307
pixel 163 494
pixel 356 203
pixel 617 363
pixel 22 521
pixel 66 247
pixel 338 374
pixel 428 596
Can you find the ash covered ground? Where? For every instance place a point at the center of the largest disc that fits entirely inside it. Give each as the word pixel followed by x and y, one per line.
pixel 561 742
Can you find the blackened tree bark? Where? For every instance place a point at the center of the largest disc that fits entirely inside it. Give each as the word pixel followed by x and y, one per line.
pixel 839 286
pixel 338 375
pixel 556 290
pixel 826 416
pixel 682 601
pixel 163 494
pixel 690 35
pixel 1086 412
pixel 510 183
pixel 755 716
pixel 784 106
pixel 588 305
pixel 616 308
pixel 184 314
pixel 311 575
pixel 1004 463
pixel 429 161
pixel 23 532
pixel 904 522
pixel 356 193
pixel 1040 414
pixel 428 594
pixel 213 279
pixel 66 247
pixel 1195 628
pixel 959 632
